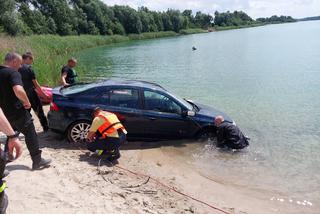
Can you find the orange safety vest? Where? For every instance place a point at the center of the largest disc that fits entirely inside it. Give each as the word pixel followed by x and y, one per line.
pixel 111 124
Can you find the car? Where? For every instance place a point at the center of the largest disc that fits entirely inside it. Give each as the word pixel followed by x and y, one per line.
pixel 146 109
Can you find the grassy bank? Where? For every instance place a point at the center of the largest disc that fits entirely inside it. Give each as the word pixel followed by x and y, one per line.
pixel 192 31
pixel 220 28
pixel 51 52
pixel 152 35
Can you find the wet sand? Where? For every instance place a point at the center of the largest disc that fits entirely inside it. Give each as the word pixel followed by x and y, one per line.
pixel 75 184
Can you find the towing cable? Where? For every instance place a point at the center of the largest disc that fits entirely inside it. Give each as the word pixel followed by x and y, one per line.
pixel 162 184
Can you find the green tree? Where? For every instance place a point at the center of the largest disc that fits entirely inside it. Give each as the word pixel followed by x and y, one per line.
pixel 52 27
pixel 34 19
pixel 11 20
pixel 129 18
pixel 60 12
pixel 190 19
pixel 118 28
pixel 203 20
pixel 92 29
pixel 157 21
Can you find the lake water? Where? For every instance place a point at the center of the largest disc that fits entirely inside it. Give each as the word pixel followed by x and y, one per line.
pixel 266 78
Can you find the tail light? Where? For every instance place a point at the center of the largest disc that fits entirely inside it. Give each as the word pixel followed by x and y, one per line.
pixel 53 107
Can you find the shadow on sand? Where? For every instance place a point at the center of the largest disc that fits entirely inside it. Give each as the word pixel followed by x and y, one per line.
pixel 58 141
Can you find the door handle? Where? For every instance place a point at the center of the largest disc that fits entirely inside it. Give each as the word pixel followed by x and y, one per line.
pixel 152 118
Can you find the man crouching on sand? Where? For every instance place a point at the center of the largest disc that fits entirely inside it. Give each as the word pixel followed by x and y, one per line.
pixel 106 134
pixel 229 135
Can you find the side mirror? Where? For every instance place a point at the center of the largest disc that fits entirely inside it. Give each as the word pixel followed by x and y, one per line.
pixel 188 113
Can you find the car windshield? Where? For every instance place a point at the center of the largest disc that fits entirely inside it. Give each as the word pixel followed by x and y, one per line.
pixel 183 102
pixel 76 88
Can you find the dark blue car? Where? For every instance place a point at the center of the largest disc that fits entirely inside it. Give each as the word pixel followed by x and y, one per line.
pixel 147 110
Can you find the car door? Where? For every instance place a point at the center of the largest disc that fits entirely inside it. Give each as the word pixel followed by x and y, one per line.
pixel 163 115
pixel 125 102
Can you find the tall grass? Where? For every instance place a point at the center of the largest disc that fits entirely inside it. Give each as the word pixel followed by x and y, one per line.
pixel 152 35
pixel 192 31
pixel 51 52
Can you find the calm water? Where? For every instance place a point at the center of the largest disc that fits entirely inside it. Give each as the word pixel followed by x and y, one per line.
pixel 267 79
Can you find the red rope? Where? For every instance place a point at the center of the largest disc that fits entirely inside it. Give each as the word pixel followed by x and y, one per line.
pixel 173 189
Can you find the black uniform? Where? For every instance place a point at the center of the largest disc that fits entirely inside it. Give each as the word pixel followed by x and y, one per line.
pixel 28 76
pixel 71 74
pixel 230 136
pixel 19 118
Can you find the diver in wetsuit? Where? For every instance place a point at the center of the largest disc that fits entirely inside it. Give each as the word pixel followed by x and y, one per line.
pixel 229 135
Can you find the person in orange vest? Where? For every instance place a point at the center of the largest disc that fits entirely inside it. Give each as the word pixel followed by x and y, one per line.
pixel 106 134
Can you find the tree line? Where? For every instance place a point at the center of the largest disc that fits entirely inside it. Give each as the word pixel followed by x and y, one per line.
pixel 277 19
pixel 75 17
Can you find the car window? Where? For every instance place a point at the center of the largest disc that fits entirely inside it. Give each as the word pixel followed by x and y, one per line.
pixel 127 98
pixel 158 102
pixel 73 89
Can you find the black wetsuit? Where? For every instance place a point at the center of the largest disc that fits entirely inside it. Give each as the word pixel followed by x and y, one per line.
pixel 230 136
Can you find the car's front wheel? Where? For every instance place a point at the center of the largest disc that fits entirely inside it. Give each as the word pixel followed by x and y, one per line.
pixel 206 135
pixel 78 131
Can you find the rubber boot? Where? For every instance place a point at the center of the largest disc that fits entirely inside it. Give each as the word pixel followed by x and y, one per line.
pixel 39 162
pixel 3 203
pixel 114 155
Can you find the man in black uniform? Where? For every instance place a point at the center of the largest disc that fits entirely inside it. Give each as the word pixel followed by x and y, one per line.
pixel 15 104
pixel 30 83
pixel 229 135
pixel 68 74
pixel 13 144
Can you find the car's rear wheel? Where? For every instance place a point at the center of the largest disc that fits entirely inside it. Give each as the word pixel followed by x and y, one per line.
pixel 78 131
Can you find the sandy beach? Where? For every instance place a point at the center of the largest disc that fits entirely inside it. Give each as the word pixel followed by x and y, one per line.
pixel 75 184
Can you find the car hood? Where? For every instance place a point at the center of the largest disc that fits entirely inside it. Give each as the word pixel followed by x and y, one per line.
pixel 211 112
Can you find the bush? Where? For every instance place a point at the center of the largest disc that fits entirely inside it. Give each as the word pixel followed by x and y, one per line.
pixel 13 25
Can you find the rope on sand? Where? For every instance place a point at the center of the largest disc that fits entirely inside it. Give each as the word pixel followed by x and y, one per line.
pixel 158 182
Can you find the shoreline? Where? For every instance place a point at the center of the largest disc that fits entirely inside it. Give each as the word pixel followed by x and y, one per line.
pixel 75 184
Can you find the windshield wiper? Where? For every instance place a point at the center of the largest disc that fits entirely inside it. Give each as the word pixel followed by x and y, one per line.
pixel 194 106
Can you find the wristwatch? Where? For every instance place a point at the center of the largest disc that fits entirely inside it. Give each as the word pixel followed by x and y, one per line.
pixel 15 135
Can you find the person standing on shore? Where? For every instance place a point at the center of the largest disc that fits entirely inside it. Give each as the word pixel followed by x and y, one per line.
pixel 13 144
pixel 106 134
pixel 15 104
pixel 229 135
pixel 30 83
pixel 68 74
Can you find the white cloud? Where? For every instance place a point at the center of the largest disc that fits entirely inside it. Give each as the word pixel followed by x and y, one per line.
pixel 255 8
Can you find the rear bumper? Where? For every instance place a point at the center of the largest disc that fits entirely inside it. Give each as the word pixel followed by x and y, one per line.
pixel 58 122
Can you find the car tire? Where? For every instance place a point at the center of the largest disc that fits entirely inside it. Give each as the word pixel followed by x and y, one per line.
pixel 78 131
pixel 206 135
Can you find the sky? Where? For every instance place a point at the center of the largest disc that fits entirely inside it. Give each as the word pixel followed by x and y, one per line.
pixel 254 8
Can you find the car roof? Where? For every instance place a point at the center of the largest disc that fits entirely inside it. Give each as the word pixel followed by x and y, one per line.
pixel 136 83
